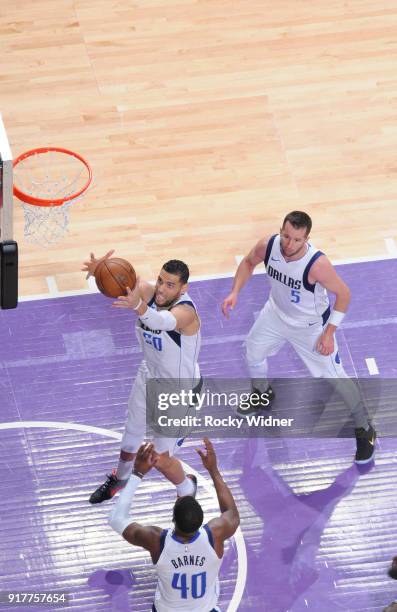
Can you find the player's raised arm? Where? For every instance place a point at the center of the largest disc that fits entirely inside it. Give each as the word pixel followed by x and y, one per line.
pixel 182 317
pixel 136 298
pixel 243 273
pixel 224 526
pixel 91 265
pixel 120 520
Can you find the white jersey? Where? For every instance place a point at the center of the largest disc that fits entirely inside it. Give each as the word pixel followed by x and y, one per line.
pixel 187 573
pixel 169 354
pixel 296 301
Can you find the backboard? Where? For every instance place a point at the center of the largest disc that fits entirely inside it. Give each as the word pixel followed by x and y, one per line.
pixel 6 226
pixel 8 247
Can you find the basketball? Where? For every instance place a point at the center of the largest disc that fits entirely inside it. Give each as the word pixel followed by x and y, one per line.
pixel 113 276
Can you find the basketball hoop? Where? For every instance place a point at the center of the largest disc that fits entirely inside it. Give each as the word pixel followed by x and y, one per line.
pixel 48 180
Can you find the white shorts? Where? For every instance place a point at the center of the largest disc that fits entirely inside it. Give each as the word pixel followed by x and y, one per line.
pixel 269 333
pixel 135 424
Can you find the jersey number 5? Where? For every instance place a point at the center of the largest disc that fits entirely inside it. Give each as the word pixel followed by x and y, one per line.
pixel 197 588
pixel 295 296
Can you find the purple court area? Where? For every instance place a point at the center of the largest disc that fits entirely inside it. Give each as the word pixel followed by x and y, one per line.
pixel 318 532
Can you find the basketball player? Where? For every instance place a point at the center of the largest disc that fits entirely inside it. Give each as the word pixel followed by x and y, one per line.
pixel 188 557
pixel 168 330
pixel 298 312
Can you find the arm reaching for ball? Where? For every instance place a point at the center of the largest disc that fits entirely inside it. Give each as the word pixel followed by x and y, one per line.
pixel 91 265
pixel 146 290
pixel 179 317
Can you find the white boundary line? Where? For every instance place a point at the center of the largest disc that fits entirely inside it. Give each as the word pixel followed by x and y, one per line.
pixel 238 536
pixel 52 286
pixel 372 366
pixel 391 246
pixel 92 288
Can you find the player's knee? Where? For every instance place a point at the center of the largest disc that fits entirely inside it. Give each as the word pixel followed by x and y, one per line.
pixel 253 354
pixel 127 455
pixel 130 442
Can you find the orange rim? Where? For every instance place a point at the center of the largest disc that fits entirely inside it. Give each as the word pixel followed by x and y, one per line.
pixel 29 199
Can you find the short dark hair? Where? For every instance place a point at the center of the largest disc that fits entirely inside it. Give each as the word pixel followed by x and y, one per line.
pixel 299 219
pixel 178 267
pixel 188 514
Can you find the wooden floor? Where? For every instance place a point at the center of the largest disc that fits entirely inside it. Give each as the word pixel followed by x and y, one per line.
pixel 205 123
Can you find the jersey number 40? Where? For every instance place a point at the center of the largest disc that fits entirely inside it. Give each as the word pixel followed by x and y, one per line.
pixel 197 587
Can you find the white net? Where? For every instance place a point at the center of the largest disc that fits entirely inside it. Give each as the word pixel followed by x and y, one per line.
pixel 46 225
pixel 50 176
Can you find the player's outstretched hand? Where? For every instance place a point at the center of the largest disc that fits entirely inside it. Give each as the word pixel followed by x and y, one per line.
pixel 325 344
pixel 209 457
pixel 228 304
pixel 131 300
pixel 145 458
pixel 90 266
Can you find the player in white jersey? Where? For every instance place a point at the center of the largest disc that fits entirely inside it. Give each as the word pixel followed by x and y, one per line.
pixel 188 557
pixel 168 329
pixel 298 312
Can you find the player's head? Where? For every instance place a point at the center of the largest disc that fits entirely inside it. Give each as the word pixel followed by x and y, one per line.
pixel 298 220
pixel 188 515
pixel 171 282
pixel 294 232
pixel 392 571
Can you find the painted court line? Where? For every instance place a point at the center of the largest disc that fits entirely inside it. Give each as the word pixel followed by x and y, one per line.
pixel 52 286
pixel 372 366
pixel 91 283
pixel 213 340
pixel 92 287
pixel 391 246
pixel 238 536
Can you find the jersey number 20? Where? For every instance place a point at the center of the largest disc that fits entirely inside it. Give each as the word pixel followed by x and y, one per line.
pixel 155 341
pixel 197 588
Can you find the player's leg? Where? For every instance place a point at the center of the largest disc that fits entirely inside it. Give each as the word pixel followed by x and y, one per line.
pixel 304 342
pixel 264 339
pixel 330 367
pixel 171 467
pixel 134 432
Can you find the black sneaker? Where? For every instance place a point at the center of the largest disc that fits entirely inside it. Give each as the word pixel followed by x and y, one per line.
pixel 108 489
pixel 365 444
pixel 255 403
